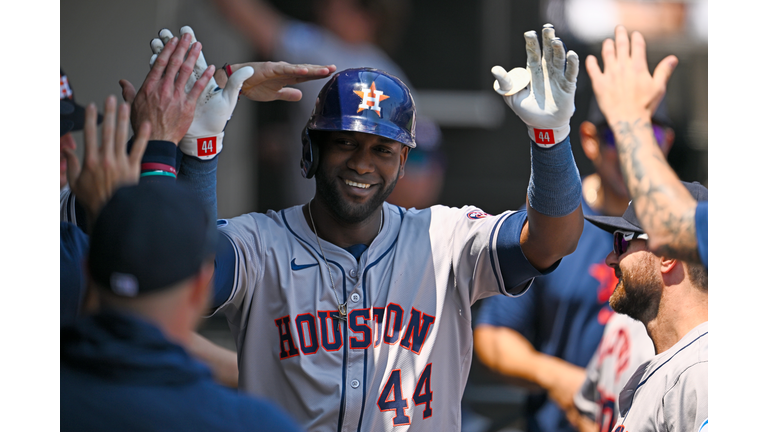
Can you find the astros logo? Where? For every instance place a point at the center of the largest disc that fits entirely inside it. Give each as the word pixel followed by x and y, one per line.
pixel 371 102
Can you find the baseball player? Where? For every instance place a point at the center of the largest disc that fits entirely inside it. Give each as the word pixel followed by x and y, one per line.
pixel 624 347
pixel 354 314
pixel 669 297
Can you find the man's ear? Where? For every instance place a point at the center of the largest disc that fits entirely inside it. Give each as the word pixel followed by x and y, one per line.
pixel 668 264
pixel 403 158
pixel 590 142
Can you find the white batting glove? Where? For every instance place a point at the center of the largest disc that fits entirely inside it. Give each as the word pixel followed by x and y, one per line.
pixel 547 103
pixel 204 139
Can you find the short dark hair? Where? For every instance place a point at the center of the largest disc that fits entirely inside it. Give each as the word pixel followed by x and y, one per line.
pixel 698 276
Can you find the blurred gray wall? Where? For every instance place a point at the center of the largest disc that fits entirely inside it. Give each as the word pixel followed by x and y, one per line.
pixel 105 41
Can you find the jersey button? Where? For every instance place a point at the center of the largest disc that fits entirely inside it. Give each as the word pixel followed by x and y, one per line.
pixel 355 297
pixel 355 383
pixel 352 273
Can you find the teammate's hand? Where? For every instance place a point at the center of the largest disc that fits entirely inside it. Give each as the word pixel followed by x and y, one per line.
pixel 626 90
pixel 163 99
pixel 108 167
pixel 547 103
pixel 269 81
pixel 214 106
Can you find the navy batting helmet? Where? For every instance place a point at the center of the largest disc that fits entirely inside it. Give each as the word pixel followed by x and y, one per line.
pixel 360 100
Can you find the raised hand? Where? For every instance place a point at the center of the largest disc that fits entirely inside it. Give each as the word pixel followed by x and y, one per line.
pixel 546 104
pixel 106 167
pixel 270 79
pixel 204 138
pixel 164 99
pixel 626 90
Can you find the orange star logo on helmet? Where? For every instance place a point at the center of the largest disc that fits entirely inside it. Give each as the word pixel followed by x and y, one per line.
pixel 371 99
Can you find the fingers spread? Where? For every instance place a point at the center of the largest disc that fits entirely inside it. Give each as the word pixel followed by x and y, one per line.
pixel 160 63
pixel 556 63
pixel 200 85
pixel 186 77
pixel 622 43
pixel 639 61
pixel 547 36
pixel 664 70
pixel 108 125
pixel 593 69
pixel 90 132
pixel 505 83
pixel 165 35
pixel 572 70
pixel 609 54
pixel 532 50
pixel 123 120
pixel 156 45
pixel 174 63
pixel 129 91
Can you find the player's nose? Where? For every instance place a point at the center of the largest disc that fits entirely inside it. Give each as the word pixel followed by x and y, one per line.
pixel 361 161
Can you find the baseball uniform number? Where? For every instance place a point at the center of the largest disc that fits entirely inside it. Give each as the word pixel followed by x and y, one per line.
pixel 391 398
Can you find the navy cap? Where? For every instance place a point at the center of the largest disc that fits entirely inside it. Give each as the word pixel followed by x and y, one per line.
pixel 149 237
pixel 67 108
pixel 629 222
pixel 77 116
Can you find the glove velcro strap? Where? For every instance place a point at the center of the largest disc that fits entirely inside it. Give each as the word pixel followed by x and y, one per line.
pixel 206 147
pixel 548 137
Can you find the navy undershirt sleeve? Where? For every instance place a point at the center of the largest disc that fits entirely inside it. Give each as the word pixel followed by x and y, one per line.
pixel 515 268
pixel 224 273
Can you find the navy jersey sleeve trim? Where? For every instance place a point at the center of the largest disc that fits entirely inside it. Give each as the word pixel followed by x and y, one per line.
pixel 516 272
pixel 225 276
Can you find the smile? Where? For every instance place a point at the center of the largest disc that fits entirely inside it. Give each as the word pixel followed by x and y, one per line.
pixel 357 185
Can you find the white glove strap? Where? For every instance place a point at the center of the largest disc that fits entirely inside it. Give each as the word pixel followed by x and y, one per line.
pixel 206 147
pixel 548 137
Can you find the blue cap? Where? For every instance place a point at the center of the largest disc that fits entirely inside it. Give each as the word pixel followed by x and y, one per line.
pixel 148 237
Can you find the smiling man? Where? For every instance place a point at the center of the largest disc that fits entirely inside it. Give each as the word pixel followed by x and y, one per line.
pixel 670 297
pixel 354 314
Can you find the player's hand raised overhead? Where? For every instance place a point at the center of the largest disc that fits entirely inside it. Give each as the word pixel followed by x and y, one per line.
pixel 163 99
pixel 626 89
pixel 214 106
pixel 546 103
pixel 109 166
pixel 270 79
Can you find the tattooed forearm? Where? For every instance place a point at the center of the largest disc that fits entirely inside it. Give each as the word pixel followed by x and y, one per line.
pixel 665 214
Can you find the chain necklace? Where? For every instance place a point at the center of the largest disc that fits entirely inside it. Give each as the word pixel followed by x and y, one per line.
pixel 342 306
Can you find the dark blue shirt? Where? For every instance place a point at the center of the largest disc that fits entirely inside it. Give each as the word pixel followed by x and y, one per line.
pixel 119 373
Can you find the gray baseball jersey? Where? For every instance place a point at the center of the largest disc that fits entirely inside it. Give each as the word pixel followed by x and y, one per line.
pixel 625 345
pixel 669 392
pixel 402 358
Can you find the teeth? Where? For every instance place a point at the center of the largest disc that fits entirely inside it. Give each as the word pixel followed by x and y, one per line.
pixel 355 184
